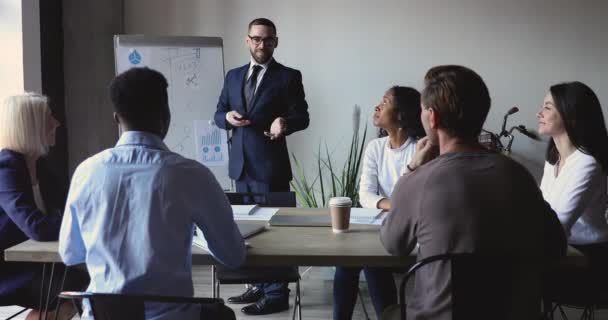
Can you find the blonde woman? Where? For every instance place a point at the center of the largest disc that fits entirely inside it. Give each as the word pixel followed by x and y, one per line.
pixel 29 209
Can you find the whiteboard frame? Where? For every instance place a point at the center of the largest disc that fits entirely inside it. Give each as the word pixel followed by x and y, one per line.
pixel 185 41
pixel 177 41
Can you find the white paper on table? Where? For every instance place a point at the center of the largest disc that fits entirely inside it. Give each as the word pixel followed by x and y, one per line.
pixel 244 210
pixel 200 241
pixel 259 214
pixel 378 221
pixel 364 215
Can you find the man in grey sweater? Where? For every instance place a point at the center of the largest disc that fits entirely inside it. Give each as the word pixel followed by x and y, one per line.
pixel 461 198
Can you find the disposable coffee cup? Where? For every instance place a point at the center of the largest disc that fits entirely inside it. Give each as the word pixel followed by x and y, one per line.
pixel 339 208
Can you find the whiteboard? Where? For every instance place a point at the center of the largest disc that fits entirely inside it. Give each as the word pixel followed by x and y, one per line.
pixel 194 68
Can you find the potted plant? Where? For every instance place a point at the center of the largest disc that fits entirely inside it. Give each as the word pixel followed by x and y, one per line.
pixel 329 181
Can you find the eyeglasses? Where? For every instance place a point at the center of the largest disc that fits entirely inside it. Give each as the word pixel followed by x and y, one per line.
pixel 271 41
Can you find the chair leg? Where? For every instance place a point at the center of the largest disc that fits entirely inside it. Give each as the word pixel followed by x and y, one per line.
pixel 299 300
pixel 295 301
pixel 16 314
pixel 561 311
pixel 42 289
pixel 58 306
pixel 48 294
pixel 363 305
pixel 65 272
pixel 213 284
pixel 549 312
pixel 76 306
pixel 588 313
pixel 297 305
pixel 217 289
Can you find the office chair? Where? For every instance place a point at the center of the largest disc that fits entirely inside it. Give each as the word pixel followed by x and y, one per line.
pixel 45 291
pixel 106 306
pixel 574 289
pixel 222 275
pixel 482 287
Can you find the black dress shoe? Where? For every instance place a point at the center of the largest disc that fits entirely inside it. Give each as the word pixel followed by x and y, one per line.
pixel 266 306
pixel 252 294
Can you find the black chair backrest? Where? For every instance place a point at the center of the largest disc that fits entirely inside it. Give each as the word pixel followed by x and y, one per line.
pixel 117 307
pixel 106 306
pixel 268 199
pixel 487 287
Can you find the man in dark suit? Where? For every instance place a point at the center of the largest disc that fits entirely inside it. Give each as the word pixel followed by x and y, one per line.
pixel 262 102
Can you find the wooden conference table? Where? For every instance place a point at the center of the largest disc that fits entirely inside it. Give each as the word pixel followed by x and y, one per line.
pixel 286 246
pixel 275 246
pixel 282 246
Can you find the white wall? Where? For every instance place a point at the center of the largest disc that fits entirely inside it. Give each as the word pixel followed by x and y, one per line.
pixel 11 54
pixel 351 51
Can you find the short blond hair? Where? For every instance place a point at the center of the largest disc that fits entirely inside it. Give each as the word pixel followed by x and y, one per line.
pixel 23 124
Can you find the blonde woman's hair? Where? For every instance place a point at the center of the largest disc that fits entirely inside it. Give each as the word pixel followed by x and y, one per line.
pixel 23 124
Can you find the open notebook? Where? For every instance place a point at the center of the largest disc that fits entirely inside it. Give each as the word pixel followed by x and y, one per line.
pixel 244 210
pixel 247 230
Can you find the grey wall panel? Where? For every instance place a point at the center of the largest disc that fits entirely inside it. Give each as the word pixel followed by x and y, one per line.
pixel 89 67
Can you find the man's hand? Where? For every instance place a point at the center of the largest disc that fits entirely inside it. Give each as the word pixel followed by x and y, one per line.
pixel 236 119
pixel 277 129
pixel 425 152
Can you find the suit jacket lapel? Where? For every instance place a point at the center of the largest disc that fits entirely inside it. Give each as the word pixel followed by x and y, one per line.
pixel 242 76
pixel 265 81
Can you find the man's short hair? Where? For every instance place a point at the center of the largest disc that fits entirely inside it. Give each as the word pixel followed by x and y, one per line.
pixel 460 97
pixel 263 22
pixel 140 96
pixel 23 124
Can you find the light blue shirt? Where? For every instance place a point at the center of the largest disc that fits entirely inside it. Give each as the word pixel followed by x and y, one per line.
pixel 130 217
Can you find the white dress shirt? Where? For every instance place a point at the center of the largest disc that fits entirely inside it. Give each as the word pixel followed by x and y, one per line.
pixel 578 196
pixel 382 167
pixel 130 217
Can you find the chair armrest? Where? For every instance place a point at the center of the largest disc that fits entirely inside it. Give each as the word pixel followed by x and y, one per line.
pixel 141 297
pixel 74 295
pixel 418 265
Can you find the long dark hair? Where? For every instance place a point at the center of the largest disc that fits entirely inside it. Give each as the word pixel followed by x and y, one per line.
pixel 583 119
pixel 407 104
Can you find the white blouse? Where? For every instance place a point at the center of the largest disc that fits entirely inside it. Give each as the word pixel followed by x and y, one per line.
pixel 382 167
pixel 578 196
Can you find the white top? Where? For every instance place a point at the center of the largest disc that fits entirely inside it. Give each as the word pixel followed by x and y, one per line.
pixel 578 196
pixel 382 167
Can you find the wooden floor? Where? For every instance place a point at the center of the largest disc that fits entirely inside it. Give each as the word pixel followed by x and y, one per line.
pixel 316 290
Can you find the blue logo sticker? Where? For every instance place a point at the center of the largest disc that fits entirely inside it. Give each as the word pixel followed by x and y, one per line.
pixel 134 57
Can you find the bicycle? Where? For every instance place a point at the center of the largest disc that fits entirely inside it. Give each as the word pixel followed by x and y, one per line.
pixel 493 141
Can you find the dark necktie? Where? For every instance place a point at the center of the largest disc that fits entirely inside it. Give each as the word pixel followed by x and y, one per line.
pixel 250 86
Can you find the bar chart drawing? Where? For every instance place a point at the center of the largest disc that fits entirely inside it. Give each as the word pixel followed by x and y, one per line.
pixel 211 145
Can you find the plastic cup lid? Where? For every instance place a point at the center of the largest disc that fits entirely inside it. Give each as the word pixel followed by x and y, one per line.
pixel 340 202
